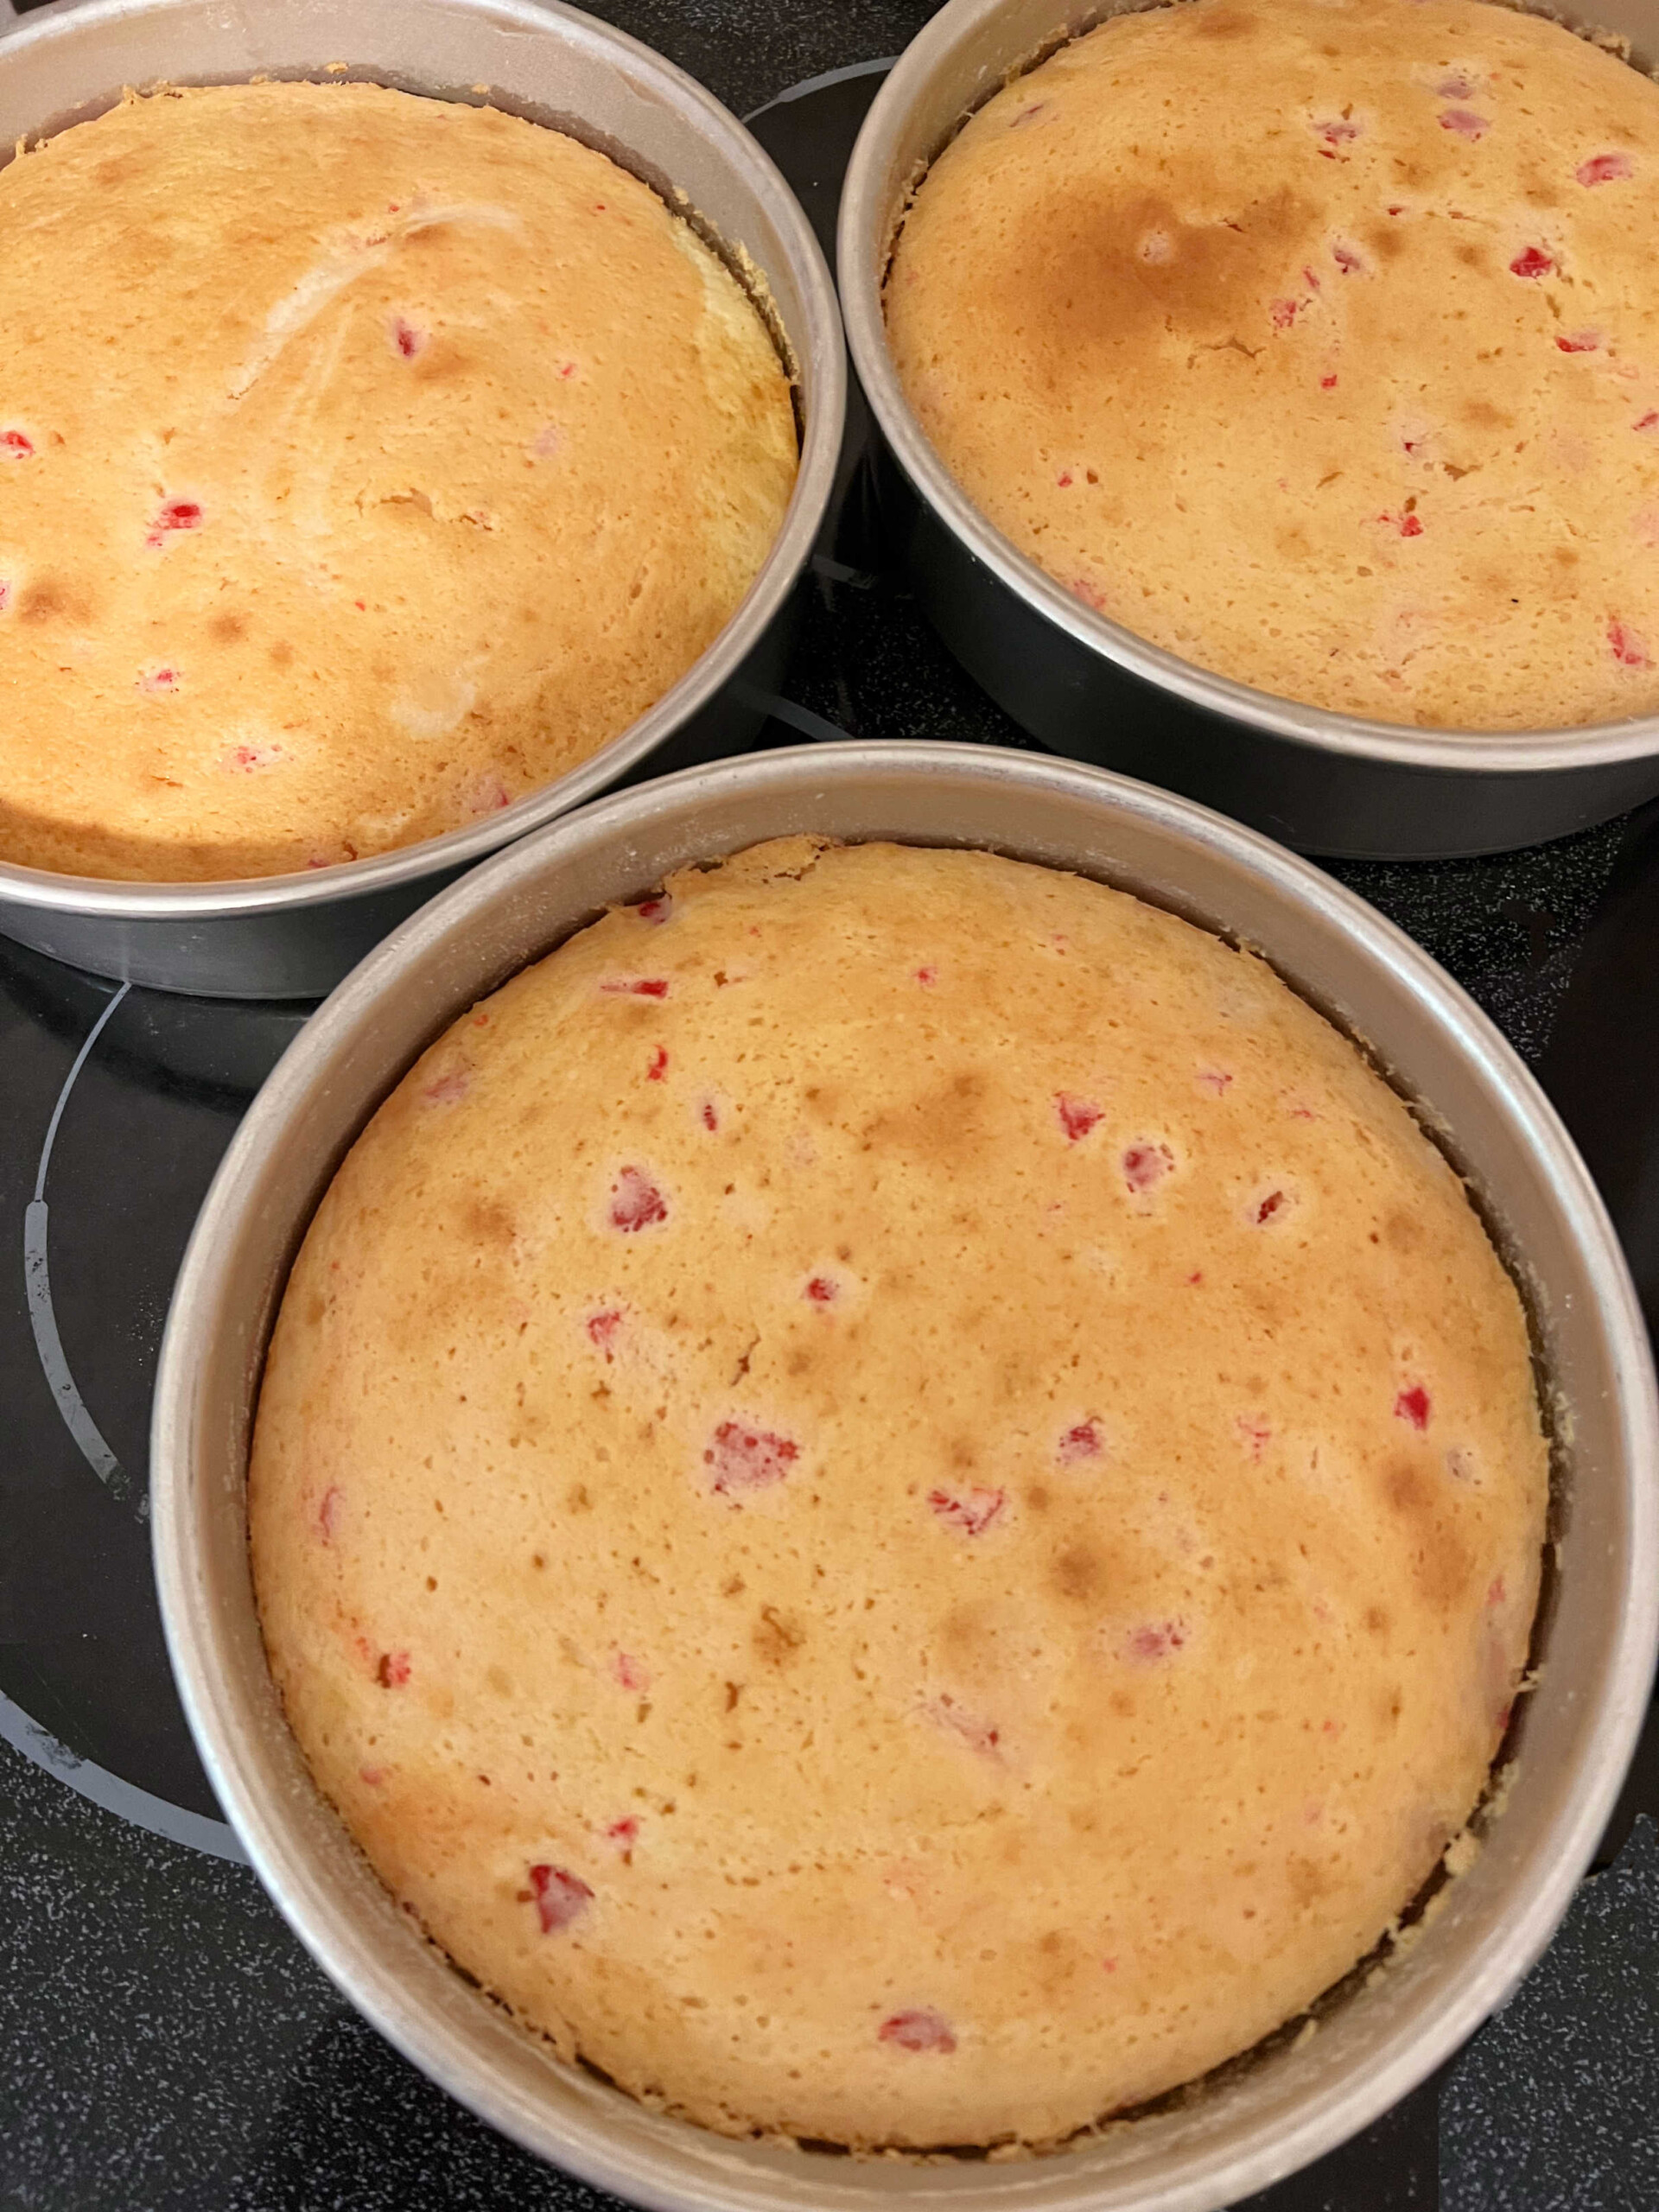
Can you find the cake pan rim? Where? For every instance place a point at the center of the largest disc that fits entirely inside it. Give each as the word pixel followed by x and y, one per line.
pixel 865 236
pixel 818 344
pixel 694 2169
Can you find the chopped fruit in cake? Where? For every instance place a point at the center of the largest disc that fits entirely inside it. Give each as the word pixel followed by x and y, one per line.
pixel 1412 1405
pixel 972 1512
pixel 560 1896
pixel 741 1458
pixel 1082 1442
pixel 921 2030
pixel 636 1202
pixel 1077 1116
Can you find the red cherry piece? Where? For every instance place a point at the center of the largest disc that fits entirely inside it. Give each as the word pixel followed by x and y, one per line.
pixel 973 1514
pixel 1603 168
pixel 1146 1165
pixel 1197 1276
pixel 921 2030
pixel 245 759
pixel 709 1117
pixel 1064 480
pixel 1028 114
pixel 624 1834
pixel 823 1291
pixel 636 1202
pixel 1078 1116
pixel 1347 260
pixel 1465 122
pixel 16 446
pixel 927 975
pixel 393 1671
pixel 602 1331
pixel 567 371
pixel 327 1508
pixel 1254 1433
pixel 1155 1640
pixel 1648 422
pixel 1580 341
pixel 374 1776
pixel 643 987
pixel 406 338
pixel 176 514
pixel 1412 1405
pixel 560 1896
pixel 1339 133
pixel 1532 261
pixel 1629 649
pixel 629 1672
pixel 1496 1591
pixel 1273 1204
pixel 1408 526
pixel 748 1458
pixel 1327 384
pixel 1455 86
pixel 659 1067
pixel 655 910
pixel 1082 1442
pixel 5 594
pixel 977 1734
pixel 448 1088
pixel 167 679
pixel 1282 313
pixel 1215 1079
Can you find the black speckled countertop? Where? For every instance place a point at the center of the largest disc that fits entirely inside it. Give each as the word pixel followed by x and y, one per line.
pixel 165 2046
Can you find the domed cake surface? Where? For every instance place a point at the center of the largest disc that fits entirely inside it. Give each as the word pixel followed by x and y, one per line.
pixel 1316 343
pixel 366 462
pixel 899 1497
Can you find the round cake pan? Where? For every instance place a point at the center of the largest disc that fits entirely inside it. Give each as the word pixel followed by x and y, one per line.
pixel 1322 782
pixel 1259 2119
pixel 295 936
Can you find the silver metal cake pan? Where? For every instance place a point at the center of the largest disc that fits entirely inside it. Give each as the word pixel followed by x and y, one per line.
pixel 1238 2132
pixel 295 936
pixel 1322 782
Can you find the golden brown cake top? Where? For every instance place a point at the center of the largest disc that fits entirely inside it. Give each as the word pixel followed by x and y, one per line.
pixel 1318 343
pixel 899 1497
pixel 366 462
